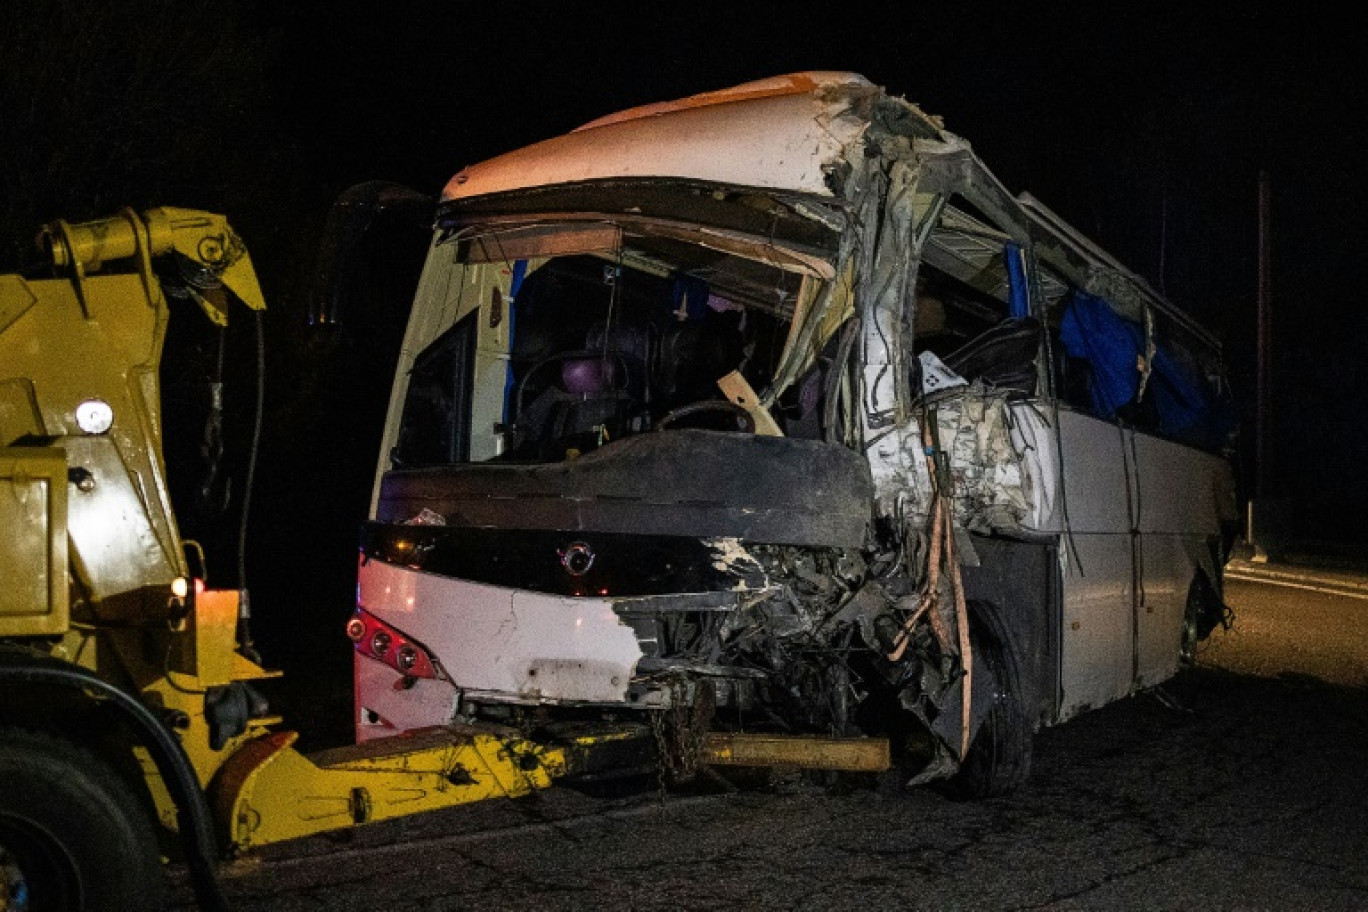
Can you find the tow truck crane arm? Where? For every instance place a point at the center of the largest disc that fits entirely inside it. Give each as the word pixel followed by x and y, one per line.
pixel 201 238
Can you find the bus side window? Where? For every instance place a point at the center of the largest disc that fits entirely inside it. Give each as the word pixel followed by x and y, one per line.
pixel 1073 377
pixel 435 429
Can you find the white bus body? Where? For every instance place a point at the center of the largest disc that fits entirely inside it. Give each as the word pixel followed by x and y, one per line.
pixel 659 438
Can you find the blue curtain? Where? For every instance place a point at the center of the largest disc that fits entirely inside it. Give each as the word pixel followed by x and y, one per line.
pixel 1188 408
pixel 1091 330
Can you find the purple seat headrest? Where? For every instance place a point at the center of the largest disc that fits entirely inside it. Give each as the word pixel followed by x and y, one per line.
pixel 587 375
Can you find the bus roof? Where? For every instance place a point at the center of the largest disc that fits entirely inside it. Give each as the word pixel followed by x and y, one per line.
pixel 783 133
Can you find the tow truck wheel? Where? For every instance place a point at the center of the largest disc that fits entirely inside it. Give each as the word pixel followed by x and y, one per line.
pixel 72 834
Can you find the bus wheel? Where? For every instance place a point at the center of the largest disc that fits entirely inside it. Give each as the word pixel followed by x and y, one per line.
pixel 72 834
pixel 999 757
pixel 1203 613
pixel 1187 645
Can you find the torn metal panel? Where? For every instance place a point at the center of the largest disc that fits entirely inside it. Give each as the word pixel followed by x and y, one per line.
pixel 886 285
pixel 1002 460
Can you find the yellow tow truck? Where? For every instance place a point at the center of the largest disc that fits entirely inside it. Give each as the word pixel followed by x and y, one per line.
pixel 125 704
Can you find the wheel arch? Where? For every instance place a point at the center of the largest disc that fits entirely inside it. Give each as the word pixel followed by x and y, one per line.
pixel 1015 585
pixel 999 756
pixel 990 628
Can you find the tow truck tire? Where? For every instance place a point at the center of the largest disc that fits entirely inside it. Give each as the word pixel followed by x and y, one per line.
pixel 73 837
pixel 999 757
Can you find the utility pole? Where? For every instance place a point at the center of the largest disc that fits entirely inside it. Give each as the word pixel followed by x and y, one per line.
pixel 1257 520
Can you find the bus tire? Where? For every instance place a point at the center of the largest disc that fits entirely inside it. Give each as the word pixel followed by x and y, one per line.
pixel 999 757
pixel 1202 614
pixel 73 836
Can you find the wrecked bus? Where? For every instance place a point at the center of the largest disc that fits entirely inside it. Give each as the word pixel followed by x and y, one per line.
pixel 771 410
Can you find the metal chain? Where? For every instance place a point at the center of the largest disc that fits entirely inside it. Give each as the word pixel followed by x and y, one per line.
pixel 681 730
pixel 692 733
pixel 662 750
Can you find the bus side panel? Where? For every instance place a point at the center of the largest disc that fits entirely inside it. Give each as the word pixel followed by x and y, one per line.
pixel 1098 629
pixel 1097 639
pixel 1166 570
pixel 1181 490
pixel 1182 495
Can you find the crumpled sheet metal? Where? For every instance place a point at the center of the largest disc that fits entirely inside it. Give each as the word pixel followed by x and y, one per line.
pixel 1002 462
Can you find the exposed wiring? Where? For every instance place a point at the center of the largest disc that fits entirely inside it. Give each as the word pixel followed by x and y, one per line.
pixel 244 632
pixel 1054 395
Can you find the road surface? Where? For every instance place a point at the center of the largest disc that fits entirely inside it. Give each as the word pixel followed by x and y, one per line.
pixel 1239 786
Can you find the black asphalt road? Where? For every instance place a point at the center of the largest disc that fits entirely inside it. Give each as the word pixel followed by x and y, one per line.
pixel 1240 786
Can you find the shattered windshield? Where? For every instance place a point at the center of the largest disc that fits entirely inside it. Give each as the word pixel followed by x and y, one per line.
pixel 611 328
